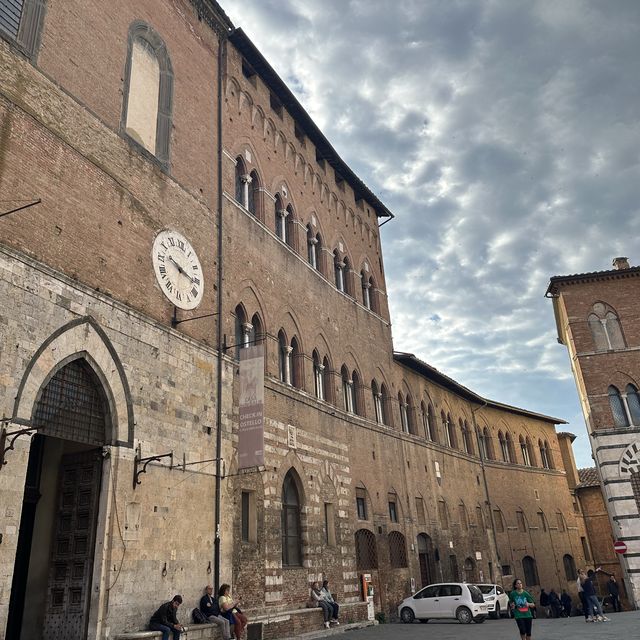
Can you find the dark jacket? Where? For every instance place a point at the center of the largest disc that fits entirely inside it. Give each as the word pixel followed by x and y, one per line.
pixel 588 588
pixel 209 605
pixel 612 588
pixel 166 615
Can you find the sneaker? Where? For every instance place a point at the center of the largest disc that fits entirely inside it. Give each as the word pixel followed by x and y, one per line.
pixel 600 619
pixel 605 619
pixel 326 625
pixel 590 619
pixel 338 622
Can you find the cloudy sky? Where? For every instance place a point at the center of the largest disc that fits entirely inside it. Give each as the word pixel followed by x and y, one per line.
pixel 505 137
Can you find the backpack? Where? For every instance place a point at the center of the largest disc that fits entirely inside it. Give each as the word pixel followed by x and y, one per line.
pixel 198 617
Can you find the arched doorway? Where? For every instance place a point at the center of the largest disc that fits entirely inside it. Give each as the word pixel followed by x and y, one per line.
pixel 425 558
pixel 52 580
pixel 470 574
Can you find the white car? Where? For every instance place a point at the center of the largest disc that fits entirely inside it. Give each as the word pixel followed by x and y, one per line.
pixel 445 600
pixel 496 599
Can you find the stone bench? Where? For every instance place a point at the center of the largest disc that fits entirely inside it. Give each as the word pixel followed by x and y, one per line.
pixel 272 625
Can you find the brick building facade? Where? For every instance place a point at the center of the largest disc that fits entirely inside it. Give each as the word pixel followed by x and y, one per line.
pixel 597 320
pixel 374 461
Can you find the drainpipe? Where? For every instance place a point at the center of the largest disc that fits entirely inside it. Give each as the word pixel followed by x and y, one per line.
pixel 498 572
pixel 218 485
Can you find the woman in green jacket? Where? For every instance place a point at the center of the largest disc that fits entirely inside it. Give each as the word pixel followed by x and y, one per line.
pixel 521 604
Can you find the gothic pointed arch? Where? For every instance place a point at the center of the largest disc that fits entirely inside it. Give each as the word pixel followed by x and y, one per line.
pixel 82 338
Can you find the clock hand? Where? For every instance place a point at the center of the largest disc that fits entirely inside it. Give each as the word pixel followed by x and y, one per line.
pixel 180 269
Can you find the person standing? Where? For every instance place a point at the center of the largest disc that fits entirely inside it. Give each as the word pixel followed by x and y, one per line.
pixel 544 603
pixel 165 619
pixel 565 599
pixel 583 601
pixel 614 591
pixel 521 604
pixel 594 610
pixel 211 611
pixel 326 594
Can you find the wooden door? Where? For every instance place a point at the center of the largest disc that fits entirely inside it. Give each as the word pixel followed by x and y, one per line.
pixel 71 564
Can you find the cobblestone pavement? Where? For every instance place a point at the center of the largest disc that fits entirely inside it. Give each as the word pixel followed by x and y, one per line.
pixel 623 626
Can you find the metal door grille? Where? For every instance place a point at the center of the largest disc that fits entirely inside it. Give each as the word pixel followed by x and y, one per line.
pixel 72 406
pixel 366 551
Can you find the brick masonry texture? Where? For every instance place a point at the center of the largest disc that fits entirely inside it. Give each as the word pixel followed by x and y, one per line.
pixel 83 256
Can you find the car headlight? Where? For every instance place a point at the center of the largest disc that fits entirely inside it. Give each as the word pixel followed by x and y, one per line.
pixel 490 598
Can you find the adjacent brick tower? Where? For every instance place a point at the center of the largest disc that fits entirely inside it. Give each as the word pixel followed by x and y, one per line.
pixel 598 320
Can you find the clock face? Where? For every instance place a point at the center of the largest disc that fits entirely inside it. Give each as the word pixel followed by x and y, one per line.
pixel 177 269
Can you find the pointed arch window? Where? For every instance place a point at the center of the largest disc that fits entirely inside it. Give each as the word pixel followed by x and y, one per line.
pixel 467 441
pixel 377 401
pixel 257 331
pixel 404 421
pixel 280 215
pixel 386 405
pixel 289 228
pixel 544 458
pixel 605 328
pixel 451 433
pixel 346 273
pixel 348 395
pixel 524 450
pixel 318 376
pixel 284 358
pixel 633 402
pixel 618 408
pixel 338 271
pixel 290 524
pixel 243 331
pixel 253 194
pixel 148 101
pixel 312 247
pixel 366 289
pixel 295 364
pixel 530 570
pixel 328 386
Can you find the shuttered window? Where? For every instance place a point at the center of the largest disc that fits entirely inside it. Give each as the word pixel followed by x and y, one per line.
pixel 10 14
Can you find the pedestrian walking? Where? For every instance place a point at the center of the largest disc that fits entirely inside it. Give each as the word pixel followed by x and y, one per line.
pixel 522 604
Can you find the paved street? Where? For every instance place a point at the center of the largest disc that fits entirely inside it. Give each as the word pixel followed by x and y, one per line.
pixel 623 626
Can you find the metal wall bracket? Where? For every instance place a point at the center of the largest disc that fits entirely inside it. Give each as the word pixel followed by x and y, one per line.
pixel 12 436
pixel 139 460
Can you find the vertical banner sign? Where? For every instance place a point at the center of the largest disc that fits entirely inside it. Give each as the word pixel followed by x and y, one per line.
pixel 251 428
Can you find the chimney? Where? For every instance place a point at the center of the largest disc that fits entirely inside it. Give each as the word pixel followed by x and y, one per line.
pixel 620 263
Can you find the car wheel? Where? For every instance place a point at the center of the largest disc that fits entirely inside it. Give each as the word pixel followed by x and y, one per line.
pixel 407 616
pixel 463 615
pixel 495 614
pixel 479 619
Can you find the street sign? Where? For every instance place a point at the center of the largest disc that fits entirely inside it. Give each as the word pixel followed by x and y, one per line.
pixel 619 546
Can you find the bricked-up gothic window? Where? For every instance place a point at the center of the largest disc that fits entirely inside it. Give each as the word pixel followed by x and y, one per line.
pixel 522 524
pixel 329 524
pixel 542 520
pixel 618 409
pixel 464 520
pixel 148 91
pixel 249 517
pixel 21 21
pixel 560 521
pixel 361 503
pixel 442 514
pixel 586 551
pixel 366 552
pixel 480 517
pixel 318 375
pixel 498 520
pixel 530 570
pixel 570 572
pixel 605 328
pixel 73 406
pixel 420 511
pixel 397 550
pixel 291 530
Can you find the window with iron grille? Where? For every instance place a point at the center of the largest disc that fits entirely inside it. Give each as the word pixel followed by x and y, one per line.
pixel 366 553
pixel 397 550
pixel 73 406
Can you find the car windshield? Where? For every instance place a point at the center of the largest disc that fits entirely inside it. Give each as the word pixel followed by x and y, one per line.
pixel 476 595
pixel 485 588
